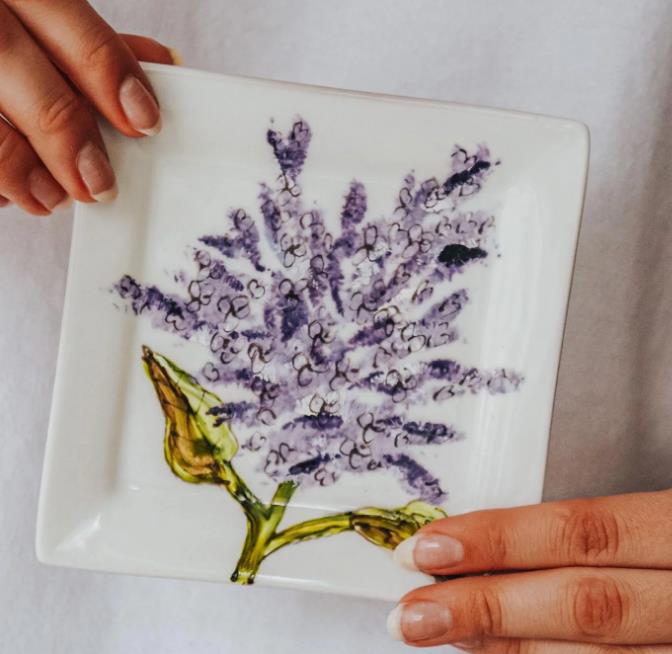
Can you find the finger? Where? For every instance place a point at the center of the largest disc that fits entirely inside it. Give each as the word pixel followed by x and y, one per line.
pixel 96 59
pixel 504 646
pixel 23 178
pixel 626 530
pixel 53 118
pixel 611 605
pixel 146 49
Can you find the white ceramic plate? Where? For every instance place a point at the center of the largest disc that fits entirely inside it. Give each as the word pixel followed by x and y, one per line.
pixel 388 312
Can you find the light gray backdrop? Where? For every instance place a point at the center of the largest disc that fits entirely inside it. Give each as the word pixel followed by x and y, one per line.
pixel 607 63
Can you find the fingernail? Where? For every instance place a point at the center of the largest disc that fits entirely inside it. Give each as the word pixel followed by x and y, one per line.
pixel 393 622
pixel 467 646
pixel 418 621
pixel 47 191
pixel 96 173
pixel 140 107
pixel 429 552
pixel 177 58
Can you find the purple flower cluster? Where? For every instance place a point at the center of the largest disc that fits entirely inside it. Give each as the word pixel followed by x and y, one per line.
pixel 332 337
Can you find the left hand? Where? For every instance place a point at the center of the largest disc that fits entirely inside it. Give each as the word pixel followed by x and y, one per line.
pixel 61 62
pixel 580 577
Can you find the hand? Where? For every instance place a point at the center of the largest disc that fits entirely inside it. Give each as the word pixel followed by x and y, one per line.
pixel 59 62
pixel 580 577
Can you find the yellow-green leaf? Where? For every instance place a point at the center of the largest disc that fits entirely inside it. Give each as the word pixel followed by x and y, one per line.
pixel 422 513
pixel 195 448
pixel 389 527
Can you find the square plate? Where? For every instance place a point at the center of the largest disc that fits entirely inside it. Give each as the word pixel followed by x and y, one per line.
pixel 355 302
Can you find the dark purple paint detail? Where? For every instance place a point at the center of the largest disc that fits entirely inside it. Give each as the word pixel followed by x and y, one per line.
pixel 354 207
pixel 465 177
pixel 322 422
pixel 291 151
pixel 417 479
pixel 270 212
pixel 308 466
pixel 231 411
pixel 457 255
pixel 294 316
pixel 428 432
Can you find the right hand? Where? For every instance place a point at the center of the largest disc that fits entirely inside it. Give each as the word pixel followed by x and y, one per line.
pixel 60 62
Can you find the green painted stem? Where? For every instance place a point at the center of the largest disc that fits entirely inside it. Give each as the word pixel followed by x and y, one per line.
pixel 283 494
pixel 262 537
pixel 238 489
pixel 262 524
pixel 328 525
pixel 259 532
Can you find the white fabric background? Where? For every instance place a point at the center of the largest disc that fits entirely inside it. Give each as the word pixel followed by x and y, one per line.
pixel 607 63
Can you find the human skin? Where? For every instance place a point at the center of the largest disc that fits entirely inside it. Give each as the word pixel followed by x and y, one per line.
pixel 61 63
pixel 579 576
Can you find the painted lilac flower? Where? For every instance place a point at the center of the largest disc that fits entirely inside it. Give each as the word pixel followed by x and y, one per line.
pixel 336 336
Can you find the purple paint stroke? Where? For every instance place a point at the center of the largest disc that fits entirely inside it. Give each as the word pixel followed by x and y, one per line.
pixel 291 150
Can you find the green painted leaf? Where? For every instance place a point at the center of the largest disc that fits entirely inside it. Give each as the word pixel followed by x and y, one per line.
pixel 389 527
pixel 422 513
pixel 194 447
